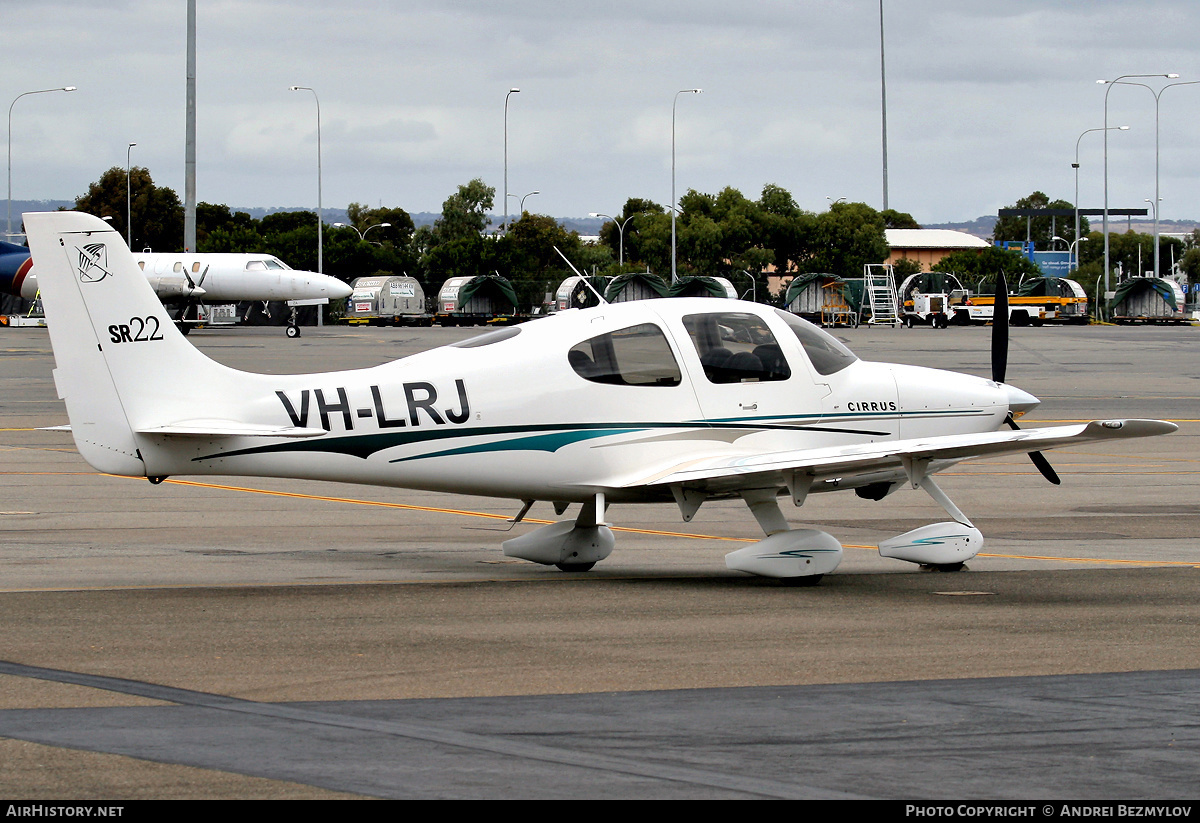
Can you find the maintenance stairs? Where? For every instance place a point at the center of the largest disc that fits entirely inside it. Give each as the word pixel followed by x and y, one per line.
pixel 880 287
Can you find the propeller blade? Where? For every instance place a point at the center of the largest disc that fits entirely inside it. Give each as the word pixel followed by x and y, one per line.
pixel 1000 330
pixel 1043 465
pixel 1039 459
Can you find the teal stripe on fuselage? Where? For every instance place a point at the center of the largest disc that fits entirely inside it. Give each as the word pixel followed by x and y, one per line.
pixel 539 442
pixel 545 437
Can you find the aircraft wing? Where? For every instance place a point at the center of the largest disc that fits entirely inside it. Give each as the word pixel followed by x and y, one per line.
pixel 894 456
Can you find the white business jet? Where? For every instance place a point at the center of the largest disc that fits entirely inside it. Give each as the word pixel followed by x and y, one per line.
pixel 186 280
pixel 680 400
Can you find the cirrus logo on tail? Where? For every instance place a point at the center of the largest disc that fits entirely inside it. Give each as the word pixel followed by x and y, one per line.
pixel 93 263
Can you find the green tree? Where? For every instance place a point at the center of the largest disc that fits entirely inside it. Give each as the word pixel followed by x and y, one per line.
pixel 220 230
pixel 893 219
pixel 398 232
pixel 786 230
pixel 465 213
pixel 977 269
pixel 1040 230
pixel 846 238
pixel 157 214
pixel 1131 253
pixel 637 217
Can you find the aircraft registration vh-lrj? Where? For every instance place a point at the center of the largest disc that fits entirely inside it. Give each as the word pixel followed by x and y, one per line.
pixel 651 401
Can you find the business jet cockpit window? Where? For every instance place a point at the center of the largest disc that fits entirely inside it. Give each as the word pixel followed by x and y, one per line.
pixel 256 265
pixel 825 351
pixel 635 356
pixel 736 347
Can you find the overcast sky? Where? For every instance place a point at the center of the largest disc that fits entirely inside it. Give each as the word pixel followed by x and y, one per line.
pixel 985 100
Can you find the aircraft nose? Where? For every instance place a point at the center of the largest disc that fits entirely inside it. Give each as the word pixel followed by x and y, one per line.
pixel 1019 400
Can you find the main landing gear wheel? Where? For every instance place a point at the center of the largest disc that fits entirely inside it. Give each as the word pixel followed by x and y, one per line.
pixel 943 567
pixel 293 330
pixel 802 582
pixel 575 567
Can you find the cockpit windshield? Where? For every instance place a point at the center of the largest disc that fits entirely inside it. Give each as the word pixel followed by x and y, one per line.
pixel 826 352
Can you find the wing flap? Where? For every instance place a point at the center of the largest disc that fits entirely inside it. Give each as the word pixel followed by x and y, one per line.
pixel 888 456
pixel 228 428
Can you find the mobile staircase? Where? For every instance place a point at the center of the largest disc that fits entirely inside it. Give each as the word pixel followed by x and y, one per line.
pixel 880 286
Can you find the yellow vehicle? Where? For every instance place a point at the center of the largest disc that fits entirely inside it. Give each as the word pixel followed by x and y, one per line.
pixel 1039 300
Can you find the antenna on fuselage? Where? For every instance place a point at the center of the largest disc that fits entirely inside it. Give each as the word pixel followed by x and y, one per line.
pixel 582 277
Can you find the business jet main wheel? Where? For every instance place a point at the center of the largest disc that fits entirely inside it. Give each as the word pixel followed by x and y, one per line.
pixel 293 330
pixel 575 567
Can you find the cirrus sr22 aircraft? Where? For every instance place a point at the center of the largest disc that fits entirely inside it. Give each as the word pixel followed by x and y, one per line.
pixel 679 400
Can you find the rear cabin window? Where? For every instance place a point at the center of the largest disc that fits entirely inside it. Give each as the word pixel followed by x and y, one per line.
pixel 636 356
pixel 736 347
pixel 826 352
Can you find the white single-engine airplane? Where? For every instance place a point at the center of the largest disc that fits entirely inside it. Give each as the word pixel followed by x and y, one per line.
pixel 647 401
pixel 186 280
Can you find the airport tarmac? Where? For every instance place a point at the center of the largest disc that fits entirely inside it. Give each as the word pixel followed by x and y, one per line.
pixel 239 637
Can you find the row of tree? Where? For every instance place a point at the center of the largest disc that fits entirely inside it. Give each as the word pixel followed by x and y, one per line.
pixel 723 234
pixel 1131 253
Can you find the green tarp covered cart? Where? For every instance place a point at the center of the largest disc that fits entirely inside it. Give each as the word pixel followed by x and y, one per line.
pixel 640 285
pixel 474 301
pixel 824 298
pixel 1147 300
pixel 703 287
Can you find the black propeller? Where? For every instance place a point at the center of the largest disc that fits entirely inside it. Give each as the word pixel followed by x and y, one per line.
pixel 1000 367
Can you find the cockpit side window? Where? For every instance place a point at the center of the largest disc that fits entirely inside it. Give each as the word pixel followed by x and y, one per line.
pixel 273 264
pixel 634 356
pixel 256 265
pixel 736 347
pixel 826 352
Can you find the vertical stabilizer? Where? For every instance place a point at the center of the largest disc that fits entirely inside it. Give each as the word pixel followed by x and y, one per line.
pixel 121 363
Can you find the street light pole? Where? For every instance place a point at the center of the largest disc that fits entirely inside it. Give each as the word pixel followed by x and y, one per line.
pixel 362 235
pixel 320 244
pixel 1157 199
pixel 10 109
pixel 1110 84
pixel 1075 166
pixel 128 200
pixel 530 194
pixel 320 214
pixel 674 203
pixel 620 233
pixel 511 92
pixel 883 105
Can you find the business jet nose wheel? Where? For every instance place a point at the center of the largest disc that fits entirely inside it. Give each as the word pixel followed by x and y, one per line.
pixel 293 330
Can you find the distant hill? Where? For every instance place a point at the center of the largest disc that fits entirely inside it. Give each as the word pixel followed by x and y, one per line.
pixel 979 227
pixel 983 226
